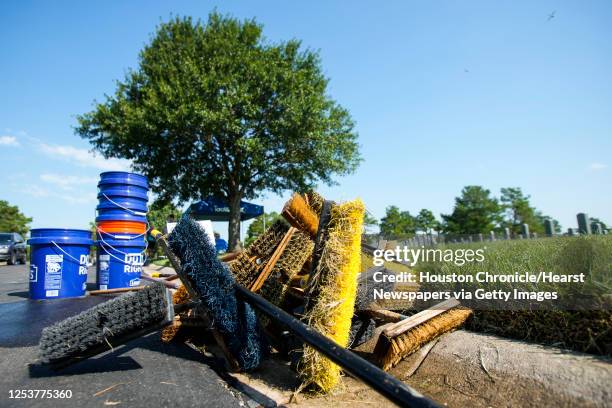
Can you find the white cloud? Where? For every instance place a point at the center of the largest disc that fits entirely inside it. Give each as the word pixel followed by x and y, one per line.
pixel 84 157
pixel 71 197
pixel 66 182
pixel 79 198
pixel 8 141
pixel 597 166
pixel 35 191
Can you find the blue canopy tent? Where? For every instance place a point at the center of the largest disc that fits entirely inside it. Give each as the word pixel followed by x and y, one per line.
pixel 217 209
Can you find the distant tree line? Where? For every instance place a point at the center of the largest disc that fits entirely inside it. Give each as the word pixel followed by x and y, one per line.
pixel 12 219
pixel 476 211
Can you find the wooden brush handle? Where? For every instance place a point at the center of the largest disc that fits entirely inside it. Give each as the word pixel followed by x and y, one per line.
pixel 229 256
pixel 273 259
pixel 385 315
pixel 166 283
pixel 117 290
pixel 419 318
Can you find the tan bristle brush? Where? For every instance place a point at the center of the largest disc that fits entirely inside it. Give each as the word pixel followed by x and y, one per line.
pixel 247 266
pixel 170 332
pixel 300 215
pixel 288 266
pixel 404 337
pixel 315 201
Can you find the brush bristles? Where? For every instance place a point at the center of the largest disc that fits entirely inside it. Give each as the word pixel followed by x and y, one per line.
pixel 331 312
pixel 315 202
pixel 290 263
pixel 295 255
pixel 234 319
pixel 247 265
pixel 362 330
pixel 105 324
pixel 170 332
pixel 392 350
pixel 300 215
pixel 244 269
pixel 368 286
pixel 264 245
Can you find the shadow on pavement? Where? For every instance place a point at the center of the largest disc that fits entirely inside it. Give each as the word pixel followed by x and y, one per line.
pixel 23 294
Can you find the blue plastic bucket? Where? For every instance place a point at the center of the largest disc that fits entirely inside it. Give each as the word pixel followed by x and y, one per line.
pixel 122 177
pixel 120 262
pixel 121 190
pixel 58 262
pixel 118 214
pixel 118 236
pixel 134 204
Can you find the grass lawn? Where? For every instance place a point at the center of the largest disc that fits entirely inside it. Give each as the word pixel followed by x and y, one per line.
pixel 161 262
pixel 582 330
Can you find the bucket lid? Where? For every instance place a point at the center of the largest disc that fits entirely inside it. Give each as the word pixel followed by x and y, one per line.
pixel 60 235
pixel 123 177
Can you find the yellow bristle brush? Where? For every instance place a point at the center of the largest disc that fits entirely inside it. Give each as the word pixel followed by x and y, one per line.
pixel 332 289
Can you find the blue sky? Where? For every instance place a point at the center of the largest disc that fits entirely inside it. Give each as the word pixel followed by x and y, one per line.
pixel 444 94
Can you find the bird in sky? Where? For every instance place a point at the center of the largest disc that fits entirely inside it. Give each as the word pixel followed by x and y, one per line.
pixel 551 15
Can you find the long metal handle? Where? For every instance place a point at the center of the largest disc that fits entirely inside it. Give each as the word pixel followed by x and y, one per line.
pixel 389 386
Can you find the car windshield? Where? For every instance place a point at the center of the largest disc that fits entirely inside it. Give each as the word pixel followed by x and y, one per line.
pixel 5 238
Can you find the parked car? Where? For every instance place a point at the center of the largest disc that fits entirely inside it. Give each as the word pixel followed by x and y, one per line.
pixel 12 248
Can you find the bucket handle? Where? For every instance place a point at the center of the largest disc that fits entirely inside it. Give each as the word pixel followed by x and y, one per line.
pixel 138 213
pixel 124 253
pixel 68 255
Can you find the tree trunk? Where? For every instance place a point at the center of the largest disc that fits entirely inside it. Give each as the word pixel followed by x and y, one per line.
pixel 234 221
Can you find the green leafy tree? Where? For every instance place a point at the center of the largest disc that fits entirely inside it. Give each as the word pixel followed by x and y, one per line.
pixel 259 225
pixel 397 224
pixel 13 220
pixel 603 224
pixel 475 211
pixel 215 109
pixel 426 221
pixel 518 211
pixel 369 222
pixel 160 213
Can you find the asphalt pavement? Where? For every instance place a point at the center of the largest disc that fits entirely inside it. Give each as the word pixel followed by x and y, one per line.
pixel 144 373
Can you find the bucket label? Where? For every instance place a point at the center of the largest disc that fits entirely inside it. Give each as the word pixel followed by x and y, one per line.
pixel 83 262
pixel 133 263
pixel 33 273
pixel 53 271
pixel 104 268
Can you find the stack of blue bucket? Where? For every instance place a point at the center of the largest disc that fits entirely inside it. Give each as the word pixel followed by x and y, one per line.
pixel 58 262
pixel 122 226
